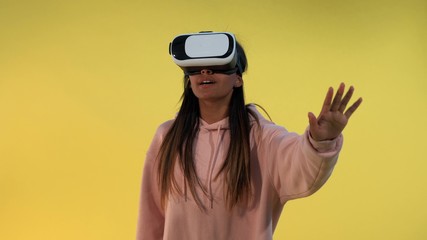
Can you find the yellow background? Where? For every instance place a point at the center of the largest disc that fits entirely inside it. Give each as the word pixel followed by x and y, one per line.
pixel 85 83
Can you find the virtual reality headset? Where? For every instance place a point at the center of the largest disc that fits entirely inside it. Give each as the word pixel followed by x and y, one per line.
pixel 205 50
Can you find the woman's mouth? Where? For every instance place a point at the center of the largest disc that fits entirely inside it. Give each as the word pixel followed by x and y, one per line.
pixel 207 82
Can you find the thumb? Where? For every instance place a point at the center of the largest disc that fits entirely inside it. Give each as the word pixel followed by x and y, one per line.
pixel 312 120
pixel 313 124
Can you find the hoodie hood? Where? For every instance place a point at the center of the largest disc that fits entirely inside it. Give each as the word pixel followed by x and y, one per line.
pixel 220 125
pixel 210 155
pixel 224 123
pixel 211 151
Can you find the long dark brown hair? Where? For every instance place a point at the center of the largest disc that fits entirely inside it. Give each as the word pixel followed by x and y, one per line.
pixel 177 146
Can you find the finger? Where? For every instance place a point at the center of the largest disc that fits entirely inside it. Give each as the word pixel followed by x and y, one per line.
pixel 346 99
pixel 337 99
pixel 353 108
pixel 327 102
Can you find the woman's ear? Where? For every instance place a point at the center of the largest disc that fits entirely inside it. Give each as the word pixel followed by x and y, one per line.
pixel 187 80
pixel 239 81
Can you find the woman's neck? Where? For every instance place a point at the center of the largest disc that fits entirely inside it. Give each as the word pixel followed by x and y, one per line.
pixel 212 112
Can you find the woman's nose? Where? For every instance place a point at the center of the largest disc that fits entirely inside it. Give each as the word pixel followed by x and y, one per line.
pixel 206 71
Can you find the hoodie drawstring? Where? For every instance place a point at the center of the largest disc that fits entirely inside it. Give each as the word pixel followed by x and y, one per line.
pixel 185 189
pixel 212 164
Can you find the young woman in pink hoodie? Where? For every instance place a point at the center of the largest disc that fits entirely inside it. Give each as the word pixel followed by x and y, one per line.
pixel 220 170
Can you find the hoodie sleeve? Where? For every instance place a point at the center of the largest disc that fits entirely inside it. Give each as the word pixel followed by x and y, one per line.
pixel 151 216
pixel 297 165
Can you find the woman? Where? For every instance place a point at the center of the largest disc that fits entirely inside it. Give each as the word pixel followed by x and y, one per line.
pixel 220 170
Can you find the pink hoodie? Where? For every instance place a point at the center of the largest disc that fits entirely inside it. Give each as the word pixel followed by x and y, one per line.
pixel 284 166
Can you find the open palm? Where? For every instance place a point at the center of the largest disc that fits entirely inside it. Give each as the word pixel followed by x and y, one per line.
pixel 333 117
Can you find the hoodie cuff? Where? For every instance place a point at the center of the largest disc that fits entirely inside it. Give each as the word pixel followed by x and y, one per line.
pixel 323 146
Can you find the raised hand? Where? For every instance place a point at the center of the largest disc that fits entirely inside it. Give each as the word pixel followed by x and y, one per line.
pixel 333 117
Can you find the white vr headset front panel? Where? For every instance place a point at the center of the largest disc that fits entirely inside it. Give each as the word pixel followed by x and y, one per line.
pixel 212 49
pixel 201 46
